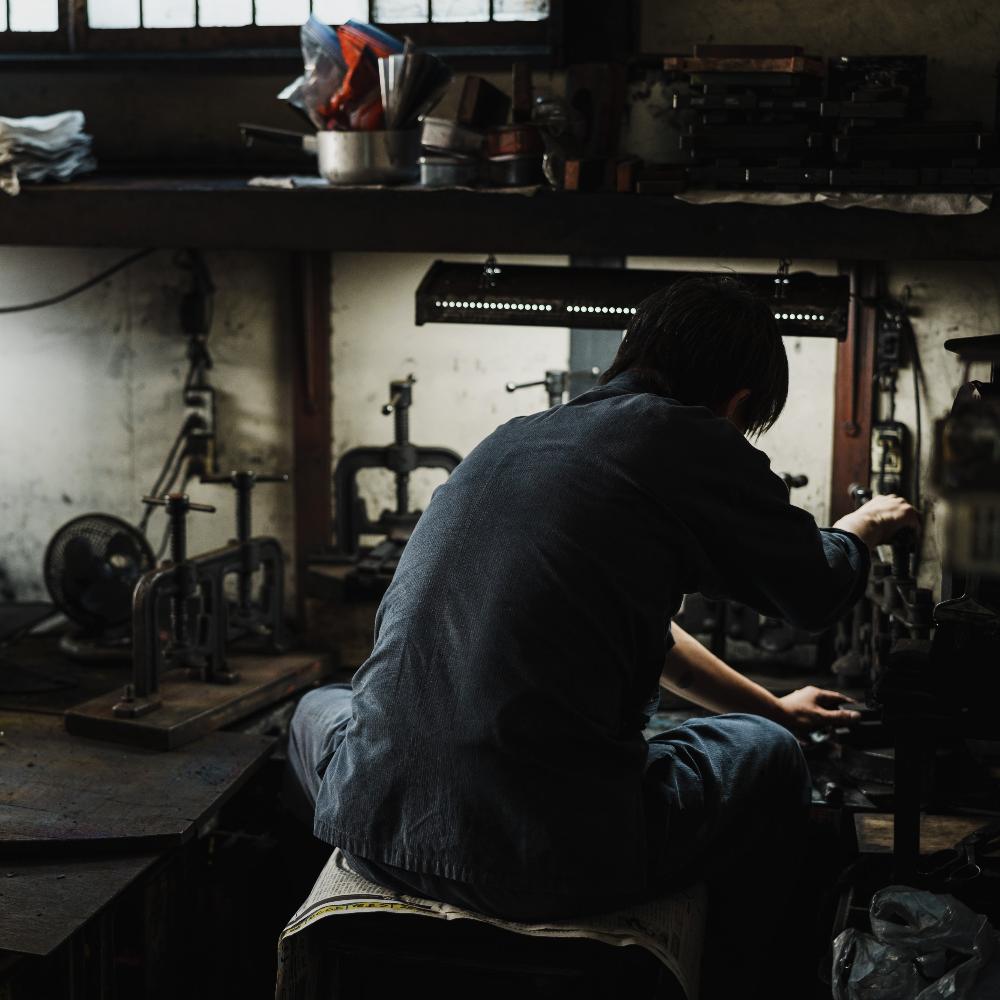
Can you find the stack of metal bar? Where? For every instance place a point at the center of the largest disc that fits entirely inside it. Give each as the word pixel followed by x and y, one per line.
pixel 754 116
pixel 880 139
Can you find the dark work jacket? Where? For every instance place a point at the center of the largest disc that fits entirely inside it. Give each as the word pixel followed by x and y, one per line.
pixel 496 731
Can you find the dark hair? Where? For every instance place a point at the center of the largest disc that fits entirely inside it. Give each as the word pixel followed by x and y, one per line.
pixel 702 339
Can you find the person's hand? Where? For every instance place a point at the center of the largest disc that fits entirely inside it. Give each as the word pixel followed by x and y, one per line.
pixel 877 521
pixel 812 708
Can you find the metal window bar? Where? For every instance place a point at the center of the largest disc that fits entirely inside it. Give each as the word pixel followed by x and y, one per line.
pixel 484 40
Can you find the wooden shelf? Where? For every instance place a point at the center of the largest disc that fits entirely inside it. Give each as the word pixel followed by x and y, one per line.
pixel 225 213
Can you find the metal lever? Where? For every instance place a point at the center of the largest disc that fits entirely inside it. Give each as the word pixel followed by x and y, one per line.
pixel 556 383
pixel 794 482
pixel 401 395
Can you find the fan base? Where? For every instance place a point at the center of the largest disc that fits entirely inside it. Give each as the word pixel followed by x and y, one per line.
pixel 96 648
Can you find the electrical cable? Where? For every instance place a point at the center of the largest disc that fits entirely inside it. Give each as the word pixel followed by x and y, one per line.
pixel 170 467
pixel 77 289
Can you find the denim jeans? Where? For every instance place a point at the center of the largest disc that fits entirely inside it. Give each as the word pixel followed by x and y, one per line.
pixel 726 803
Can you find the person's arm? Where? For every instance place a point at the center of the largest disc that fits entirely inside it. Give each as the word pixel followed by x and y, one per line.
pixel 755 547
pixel 877 521
pixel 695 673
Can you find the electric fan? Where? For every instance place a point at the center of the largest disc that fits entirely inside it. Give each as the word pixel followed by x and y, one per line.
pixel 92 566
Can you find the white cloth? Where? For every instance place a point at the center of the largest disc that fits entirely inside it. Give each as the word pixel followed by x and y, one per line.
pixel 916 203
pixel 43 147
pixel 671 928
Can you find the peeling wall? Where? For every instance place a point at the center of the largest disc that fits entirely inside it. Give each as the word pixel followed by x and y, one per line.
pixel 90 395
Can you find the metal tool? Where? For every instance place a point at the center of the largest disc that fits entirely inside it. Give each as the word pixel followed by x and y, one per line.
pixel 445 136
pixel 374 568
pixel 372 157
pixel 556 383
pixel 201 620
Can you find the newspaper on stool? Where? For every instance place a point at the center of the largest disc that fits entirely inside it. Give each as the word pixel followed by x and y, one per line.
pixel 671 928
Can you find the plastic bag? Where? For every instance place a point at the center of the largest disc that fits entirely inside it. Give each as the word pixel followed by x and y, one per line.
pixel 339 86
pixel 324 70
pixel 923 946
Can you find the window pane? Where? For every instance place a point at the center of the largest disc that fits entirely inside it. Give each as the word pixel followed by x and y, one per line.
pixel 339 11
pixel 460 10
pixel 168 13
pixel 216 13
pixel 113 13
pixel 34 15
pixel 282 11
pixel 399 11
pixel 520 10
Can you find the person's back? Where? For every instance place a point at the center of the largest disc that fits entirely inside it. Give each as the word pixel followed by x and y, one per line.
pixel 491 753
pixel 525 710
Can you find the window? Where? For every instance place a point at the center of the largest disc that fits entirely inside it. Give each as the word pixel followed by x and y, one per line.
pixel 31 24
pixel 183 25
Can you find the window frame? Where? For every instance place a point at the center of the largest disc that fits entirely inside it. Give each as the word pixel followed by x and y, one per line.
pixel 473 38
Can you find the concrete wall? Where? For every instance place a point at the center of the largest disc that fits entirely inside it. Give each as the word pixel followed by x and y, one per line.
pixel 461 370
pixel 90 395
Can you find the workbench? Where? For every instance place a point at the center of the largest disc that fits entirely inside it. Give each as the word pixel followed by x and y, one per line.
pixel 85 822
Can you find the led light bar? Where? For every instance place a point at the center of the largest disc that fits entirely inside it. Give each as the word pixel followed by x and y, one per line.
pixel 805 304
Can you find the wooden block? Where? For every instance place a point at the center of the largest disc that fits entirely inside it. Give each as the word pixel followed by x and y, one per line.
pixel 585 175
pixel 937 833
pixel 60 792
pixel 597 91
pixel 627 174
pixel 712 51
pixel 797 65
pixel 192 709
pixel 481 104
pixel 521 84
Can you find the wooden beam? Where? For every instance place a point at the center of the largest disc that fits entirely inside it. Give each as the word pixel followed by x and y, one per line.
pixel 312 412
pixel 224 213
pixel 854 392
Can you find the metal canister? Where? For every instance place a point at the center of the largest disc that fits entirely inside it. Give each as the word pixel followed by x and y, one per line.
pixel 514 171
pixel 382 157
pixel 450 137
pixel 449 171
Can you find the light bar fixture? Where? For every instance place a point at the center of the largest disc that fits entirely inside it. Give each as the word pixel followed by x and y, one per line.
pixel 805 304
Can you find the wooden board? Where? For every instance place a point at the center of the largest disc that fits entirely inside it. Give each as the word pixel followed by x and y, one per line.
pixel 224 213
pixel 937 833
pixel 191 709
pixel 63 792
pixel 42 903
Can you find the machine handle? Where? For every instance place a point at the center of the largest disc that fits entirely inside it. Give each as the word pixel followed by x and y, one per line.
pixel 246 475
pixel 172 499
pixel 514 386
pixel 400 395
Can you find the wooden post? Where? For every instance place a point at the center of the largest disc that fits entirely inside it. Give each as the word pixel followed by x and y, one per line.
pixel 854 392
pixel 312 412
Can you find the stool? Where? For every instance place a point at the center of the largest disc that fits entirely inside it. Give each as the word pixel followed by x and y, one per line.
pixel 354 940
pixel 373 956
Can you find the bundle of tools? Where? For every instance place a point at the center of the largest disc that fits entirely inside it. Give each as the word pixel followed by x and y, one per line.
pixel 754 116
pixel 481 144
pixel 772 117
pixel 359 78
